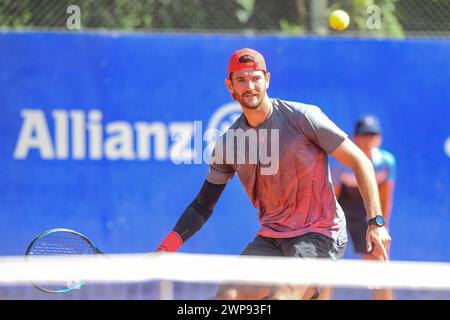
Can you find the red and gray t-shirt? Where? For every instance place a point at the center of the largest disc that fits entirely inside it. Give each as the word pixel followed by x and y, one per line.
pixel 290 182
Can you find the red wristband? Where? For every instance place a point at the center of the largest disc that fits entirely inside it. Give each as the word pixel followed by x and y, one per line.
pixel 171 243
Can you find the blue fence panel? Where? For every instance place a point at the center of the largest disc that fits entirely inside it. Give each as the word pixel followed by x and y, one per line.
pixel 77 111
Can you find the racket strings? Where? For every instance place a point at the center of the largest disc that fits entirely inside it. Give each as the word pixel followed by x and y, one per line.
pixel 60 244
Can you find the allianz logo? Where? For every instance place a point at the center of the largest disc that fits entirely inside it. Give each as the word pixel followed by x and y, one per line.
pixel 82 135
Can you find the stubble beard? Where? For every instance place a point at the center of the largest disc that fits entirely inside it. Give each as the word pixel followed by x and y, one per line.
pixel 254 104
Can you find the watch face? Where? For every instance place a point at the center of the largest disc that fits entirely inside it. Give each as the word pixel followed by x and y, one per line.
pixel 379 220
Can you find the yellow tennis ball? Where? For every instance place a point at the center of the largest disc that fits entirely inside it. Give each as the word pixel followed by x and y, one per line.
pixel 339 20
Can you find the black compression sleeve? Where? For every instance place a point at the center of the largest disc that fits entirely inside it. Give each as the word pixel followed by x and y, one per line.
pixel 199 211
pixel 209 194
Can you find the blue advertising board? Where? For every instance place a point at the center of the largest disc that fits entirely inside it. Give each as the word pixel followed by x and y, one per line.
pixel 104 133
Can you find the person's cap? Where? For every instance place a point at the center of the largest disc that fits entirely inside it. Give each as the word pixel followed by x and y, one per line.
pixel 368 125
pixel 246 58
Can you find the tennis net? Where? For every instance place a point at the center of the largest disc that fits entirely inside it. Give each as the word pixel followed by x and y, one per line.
pixel 162 276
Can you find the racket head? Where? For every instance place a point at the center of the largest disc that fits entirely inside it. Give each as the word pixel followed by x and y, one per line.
pixel 60 242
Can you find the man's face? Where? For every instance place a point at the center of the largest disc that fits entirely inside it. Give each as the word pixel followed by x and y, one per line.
pixel 249 87
pixel 367 142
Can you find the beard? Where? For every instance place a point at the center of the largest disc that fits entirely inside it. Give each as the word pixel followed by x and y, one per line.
pixel 250 100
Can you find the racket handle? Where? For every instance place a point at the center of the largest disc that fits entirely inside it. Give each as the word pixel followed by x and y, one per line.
pixel 171 243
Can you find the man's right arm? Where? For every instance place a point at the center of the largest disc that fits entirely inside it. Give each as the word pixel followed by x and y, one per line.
pixel 193 217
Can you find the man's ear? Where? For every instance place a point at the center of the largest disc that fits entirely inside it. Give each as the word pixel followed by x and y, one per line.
pixel 268 79
pixel 229 85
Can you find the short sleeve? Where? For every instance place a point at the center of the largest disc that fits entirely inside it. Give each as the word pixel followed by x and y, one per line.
pixel 219 171
pixel 219 174
pixel 320 129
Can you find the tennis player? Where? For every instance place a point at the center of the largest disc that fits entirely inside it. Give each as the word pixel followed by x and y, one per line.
pixel 298 211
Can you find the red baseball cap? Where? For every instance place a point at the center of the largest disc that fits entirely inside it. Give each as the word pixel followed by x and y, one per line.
pixel 237 62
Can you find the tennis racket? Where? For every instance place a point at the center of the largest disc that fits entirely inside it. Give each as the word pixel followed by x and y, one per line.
pixel 60 242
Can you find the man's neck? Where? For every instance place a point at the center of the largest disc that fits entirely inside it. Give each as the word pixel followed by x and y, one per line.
pixel 256 117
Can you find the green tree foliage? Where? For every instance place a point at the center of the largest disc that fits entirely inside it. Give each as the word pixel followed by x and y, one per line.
pixel 281 16
pixel 415 17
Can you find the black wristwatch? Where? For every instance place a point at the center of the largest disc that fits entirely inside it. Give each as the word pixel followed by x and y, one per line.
pixel 377 221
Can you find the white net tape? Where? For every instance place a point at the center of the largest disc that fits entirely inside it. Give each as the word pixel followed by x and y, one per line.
pixel 222 269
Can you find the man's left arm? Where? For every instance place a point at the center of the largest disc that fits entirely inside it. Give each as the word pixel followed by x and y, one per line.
pixel 350 155
pixel 327 135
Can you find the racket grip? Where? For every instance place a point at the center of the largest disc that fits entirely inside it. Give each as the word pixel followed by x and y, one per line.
pixel 171 243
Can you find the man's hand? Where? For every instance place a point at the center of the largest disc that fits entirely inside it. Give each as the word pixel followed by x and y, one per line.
pixel 379 241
